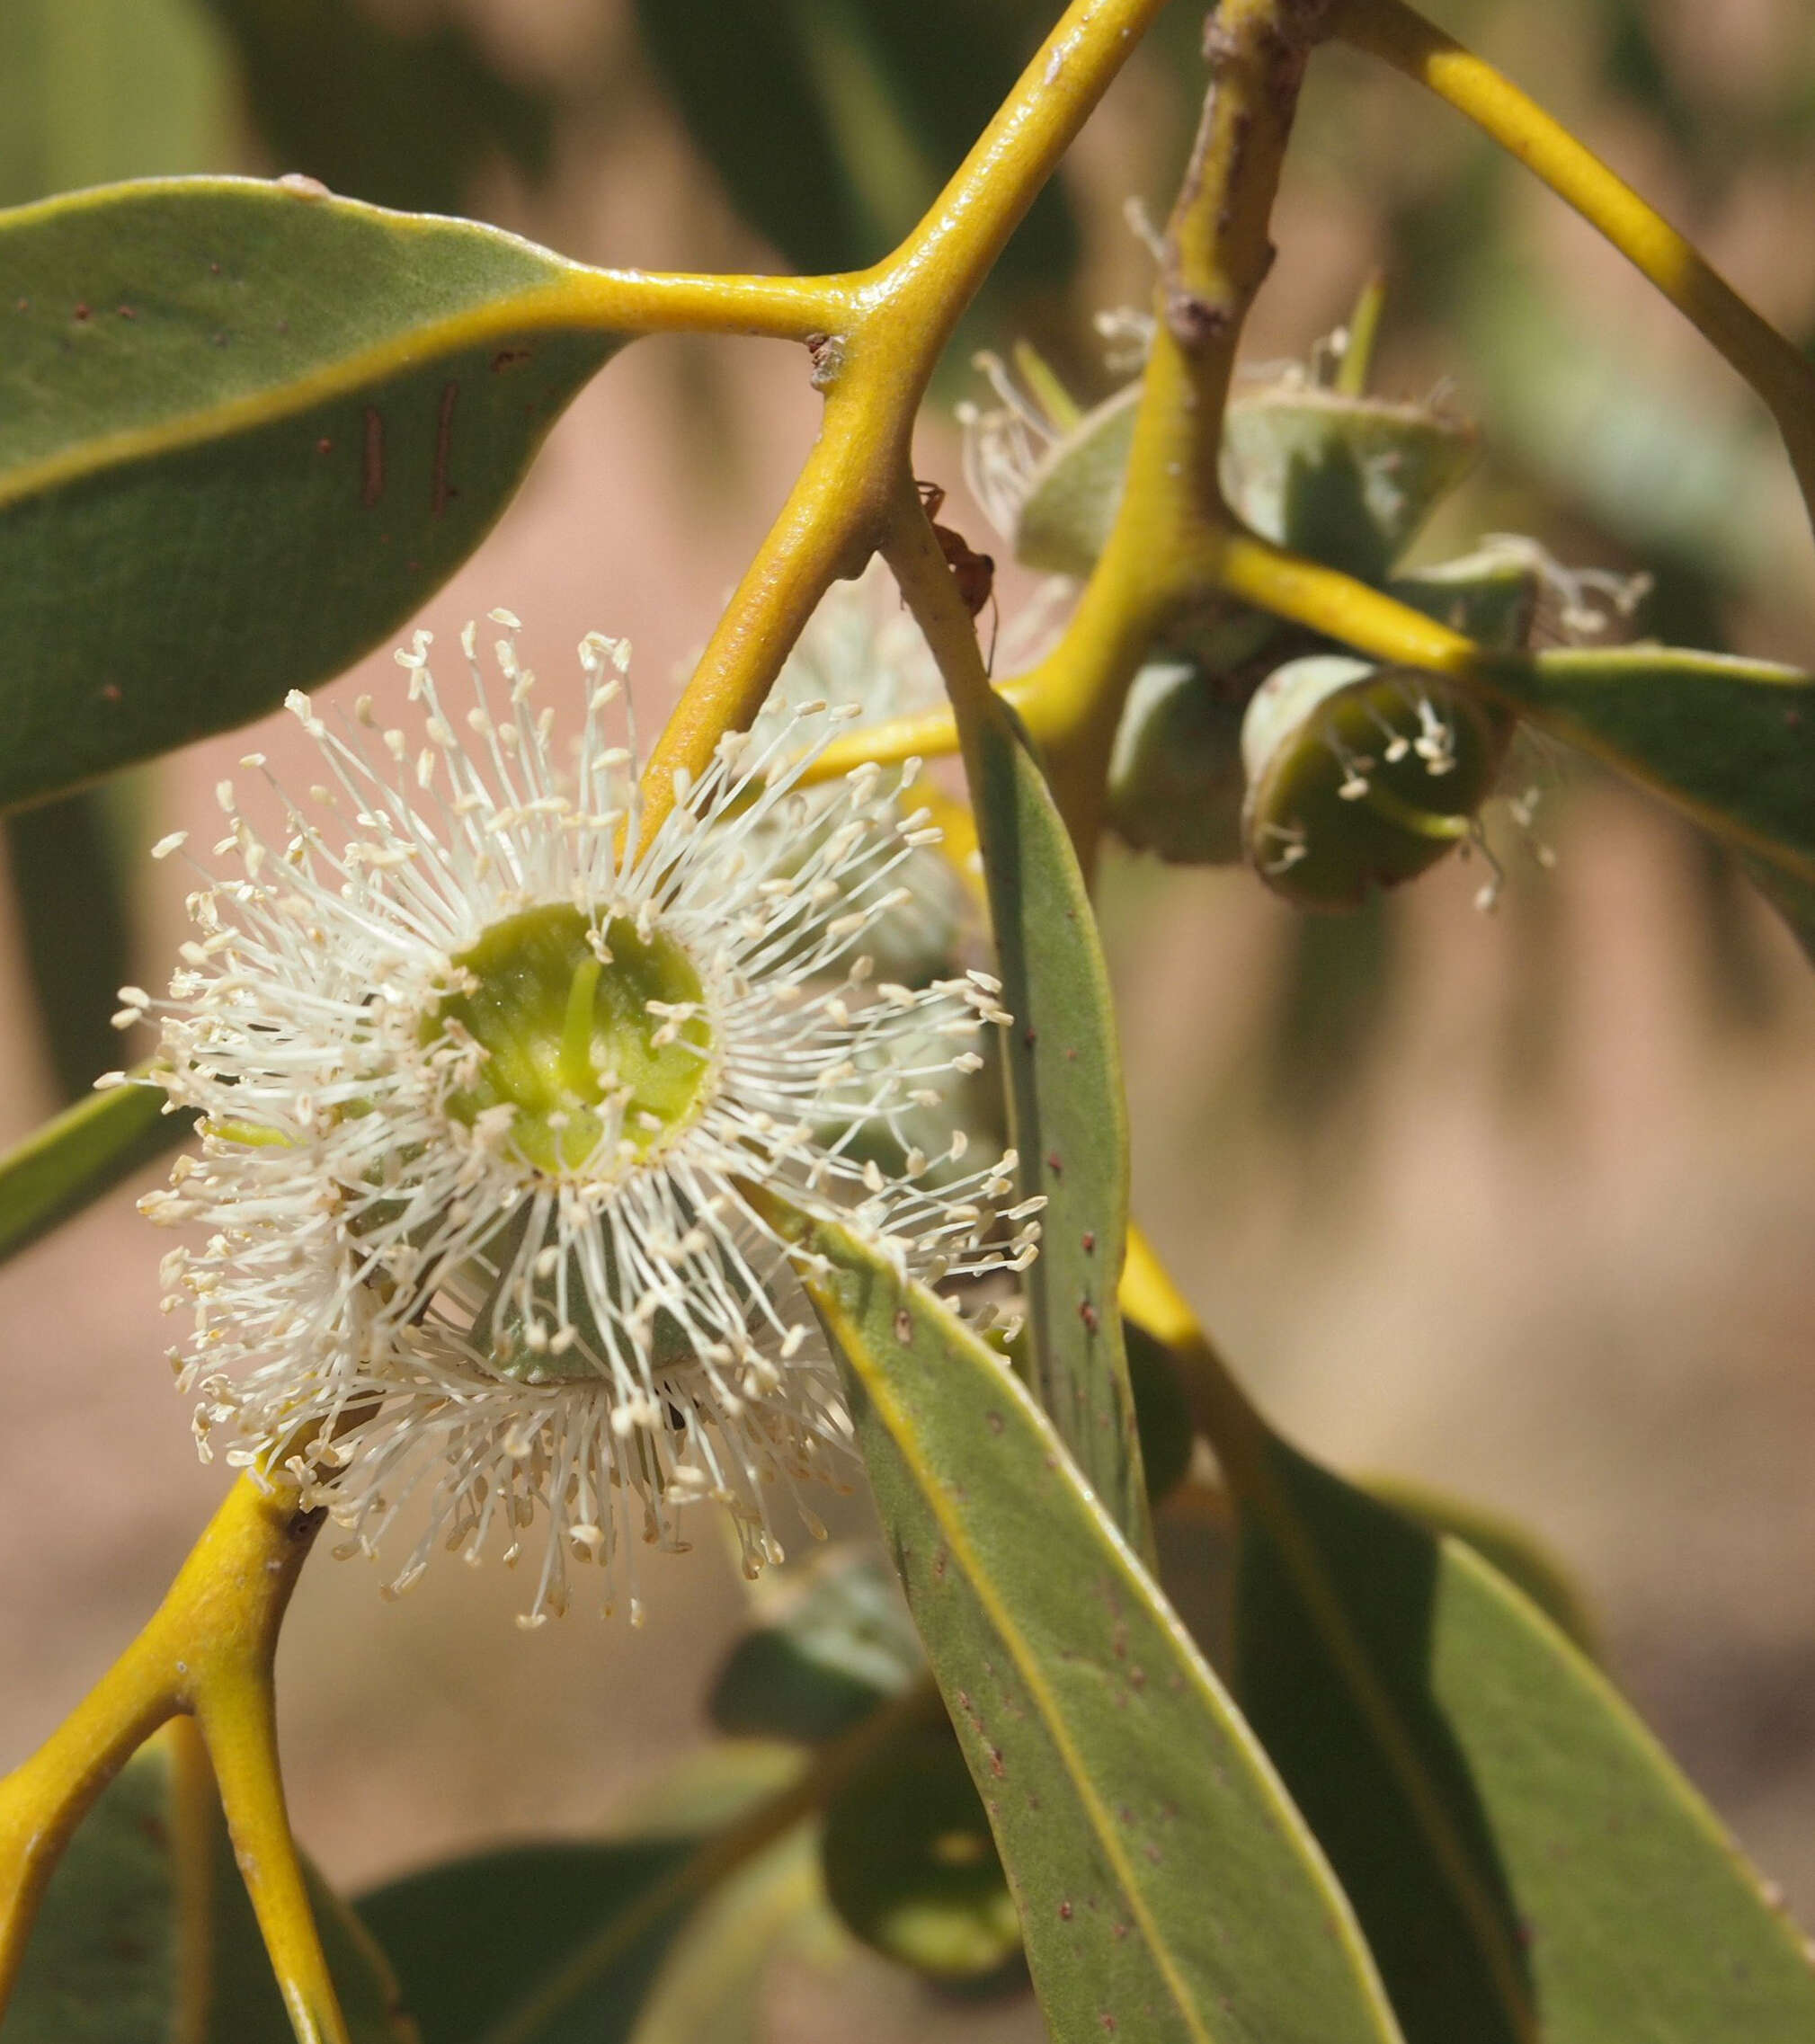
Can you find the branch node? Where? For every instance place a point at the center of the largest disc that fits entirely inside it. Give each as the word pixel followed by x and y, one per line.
pixel 1193 320
pixel 827 353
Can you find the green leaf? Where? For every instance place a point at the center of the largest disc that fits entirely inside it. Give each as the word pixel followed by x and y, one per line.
pixel 402 114
pixel 82 1153
pixel 474 1940
pixel 1792 896
pixel 1516 1551
pixel 93 90
pixel 911 1867
pixel 1163 1412
pixel 245 431
pixel 1068 1114
pixel 833 123
pixel 745 87
pixel 145 1932
pixel 555 1943
pixel 70 877
pixel 1730 741
pixel 1167 1887
pixel 1523 1856
pixel 844 1646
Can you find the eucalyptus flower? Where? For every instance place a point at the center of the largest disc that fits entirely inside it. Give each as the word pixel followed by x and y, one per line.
pixel 487 1074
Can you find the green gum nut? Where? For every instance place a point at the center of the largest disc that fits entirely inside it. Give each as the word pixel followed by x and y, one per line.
pixel 587 1035
pixel 1361 777
pixel 1176 778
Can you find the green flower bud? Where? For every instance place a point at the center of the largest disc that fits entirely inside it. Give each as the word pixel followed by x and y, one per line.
pixel 1361 777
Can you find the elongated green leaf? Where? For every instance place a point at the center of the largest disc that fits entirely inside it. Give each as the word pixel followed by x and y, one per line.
pixel 1730 741
pixel 84 1152
pixel 1523 1856
pixel 745 87
pixel 1517 1552
pixel 911 1865
pixel 1167 1887
pixel 1790 894
pixel 1068 1114
pixel 140 1940
pixel 246 430
pixel 107 89
pixel 834 122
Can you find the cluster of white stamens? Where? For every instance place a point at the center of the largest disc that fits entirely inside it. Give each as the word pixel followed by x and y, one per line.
pixel 484 1081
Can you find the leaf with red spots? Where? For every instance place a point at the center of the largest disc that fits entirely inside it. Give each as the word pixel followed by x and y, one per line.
pixel 314 416
pixel 1164 1880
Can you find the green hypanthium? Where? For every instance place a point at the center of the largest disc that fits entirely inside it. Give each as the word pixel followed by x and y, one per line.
pixel 586 1147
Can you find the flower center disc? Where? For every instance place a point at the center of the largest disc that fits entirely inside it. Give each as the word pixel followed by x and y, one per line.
pixel 581 1035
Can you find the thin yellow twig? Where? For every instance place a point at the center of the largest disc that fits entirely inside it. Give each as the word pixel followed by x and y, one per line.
pixel 1775 369
pixel 208 1650
pixel 655 301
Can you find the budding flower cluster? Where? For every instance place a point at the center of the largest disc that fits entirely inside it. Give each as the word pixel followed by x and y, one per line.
pixel 487 1076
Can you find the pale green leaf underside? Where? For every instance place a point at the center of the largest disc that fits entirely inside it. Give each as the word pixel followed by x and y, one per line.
pixel 1167 1887
pixel 244 433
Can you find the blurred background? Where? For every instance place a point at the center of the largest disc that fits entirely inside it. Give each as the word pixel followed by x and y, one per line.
pixel 1520 1204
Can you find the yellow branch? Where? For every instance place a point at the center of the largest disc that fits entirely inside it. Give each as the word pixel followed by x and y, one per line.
pixel 874 369
pixel 208 1650
pixel 655 301
pixel 1390 29
pixel 1217 255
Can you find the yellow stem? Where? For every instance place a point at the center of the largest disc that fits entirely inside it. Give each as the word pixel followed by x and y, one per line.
pixel 1775 368
pixel 873 364
pixel 208 1650
pixel 1166 544
pixel 1255 570
pixel 645 301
